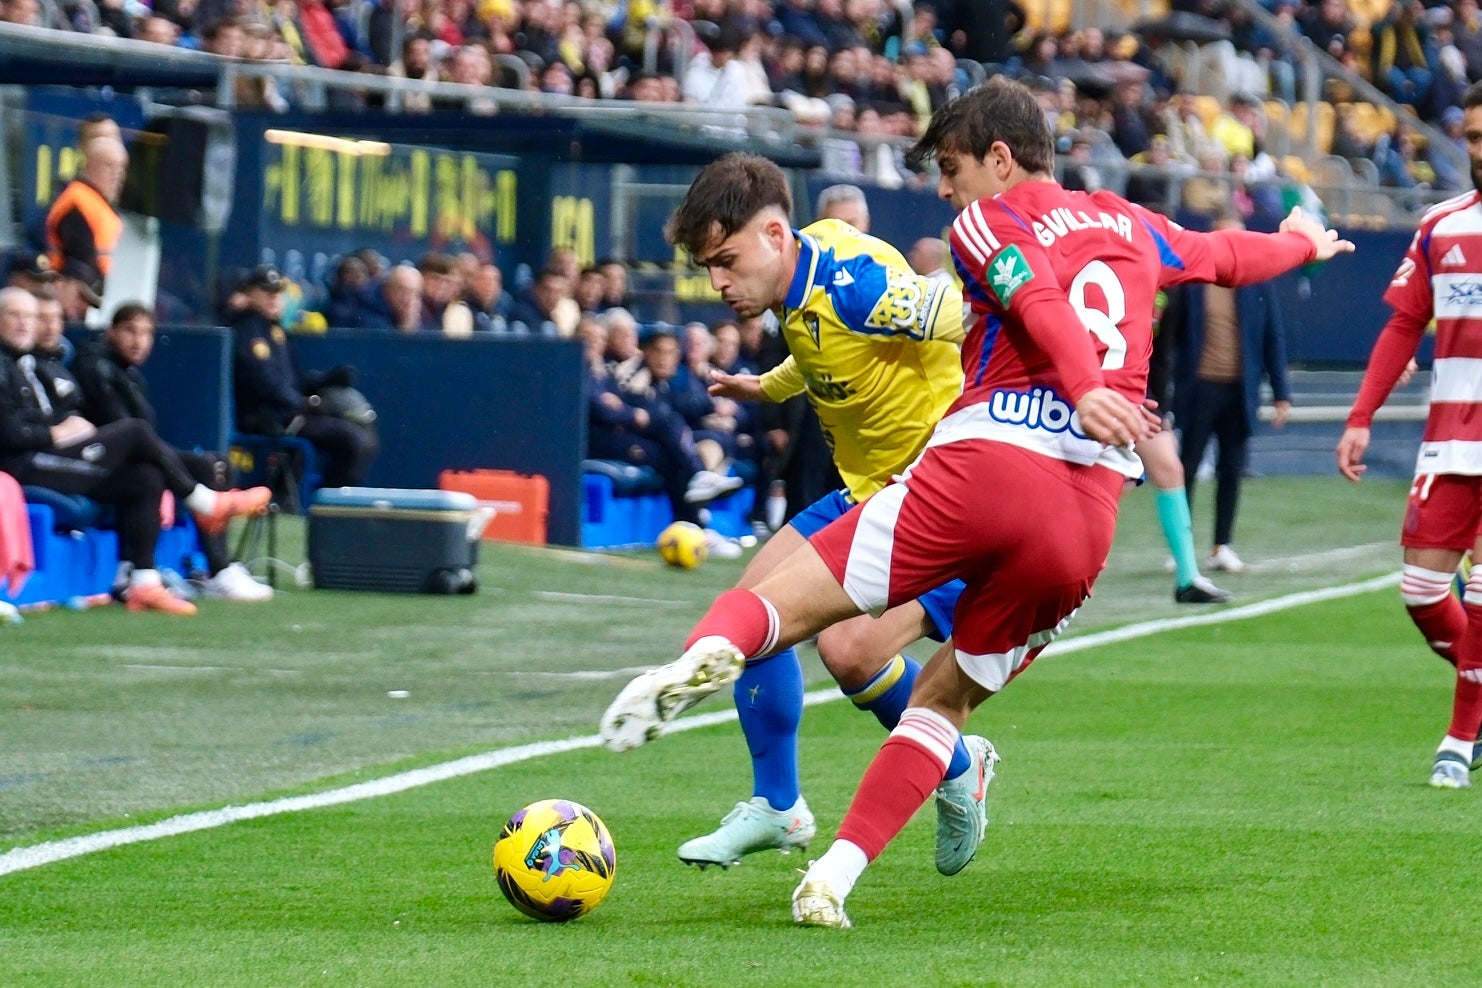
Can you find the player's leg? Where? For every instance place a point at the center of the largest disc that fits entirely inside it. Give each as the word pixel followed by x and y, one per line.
pixel 1020 594
pixel 1232 435
pixel 1159 455
pixel 1441 522
pixel 863 655
pixel 769 705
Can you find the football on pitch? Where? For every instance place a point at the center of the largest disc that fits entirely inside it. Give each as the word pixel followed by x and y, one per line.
pixel 554 860
pixel 683 544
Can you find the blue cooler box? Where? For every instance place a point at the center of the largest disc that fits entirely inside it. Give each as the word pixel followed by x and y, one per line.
pixel 400 541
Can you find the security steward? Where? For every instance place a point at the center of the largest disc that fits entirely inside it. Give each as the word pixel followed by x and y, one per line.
pixel 273 399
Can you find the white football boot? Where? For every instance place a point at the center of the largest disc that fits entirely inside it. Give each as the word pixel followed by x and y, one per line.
pixel 752 826
pixel 650 701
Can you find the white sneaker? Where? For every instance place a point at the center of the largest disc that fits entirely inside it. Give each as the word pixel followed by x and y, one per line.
pixel 707 485
pixel 235 583
pixel 752 826
pixel 1224 558
pixel 721 547
pixel 650 701
pixel 962 816
pixel 815 904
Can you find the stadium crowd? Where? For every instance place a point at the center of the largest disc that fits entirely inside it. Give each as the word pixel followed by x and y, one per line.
pixel 857 72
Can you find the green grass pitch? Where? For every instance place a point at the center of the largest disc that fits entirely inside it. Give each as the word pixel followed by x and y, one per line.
pixel 1239 803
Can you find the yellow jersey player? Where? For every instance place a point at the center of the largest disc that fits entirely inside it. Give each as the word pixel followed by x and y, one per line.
pixel 875 348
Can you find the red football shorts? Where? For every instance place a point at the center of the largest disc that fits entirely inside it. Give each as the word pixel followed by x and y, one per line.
pixel 1027 533
pixel 1443 512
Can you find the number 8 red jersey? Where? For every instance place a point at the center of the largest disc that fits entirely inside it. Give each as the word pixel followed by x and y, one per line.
pixel 1061 286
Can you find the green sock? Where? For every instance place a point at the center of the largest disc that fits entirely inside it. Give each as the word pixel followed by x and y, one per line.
pixel 1178 532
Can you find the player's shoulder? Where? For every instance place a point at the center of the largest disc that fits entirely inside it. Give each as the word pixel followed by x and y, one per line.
pixel 1450 209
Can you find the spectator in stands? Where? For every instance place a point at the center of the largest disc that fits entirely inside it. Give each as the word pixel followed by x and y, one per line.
pixel 1401 54
pixel 1151 181
pixel 83 226
pixel 1328 23
pixel 1348 140
pixel 157 30
pixel 1081 173
pixel 1131 131
pixel 1466 29
pixel 51 340
pixel 928 256
pixel 615 284
pixel 443 308
pixel 343 300
pixel 416 62
pixel 24 12
pixel 1448 177
pixel 47 444
pixel 488 301
pixel 622 337
pixel 114 389
pixel 322 39
pixel 623 426
pixel 847 203
pixel 1235 129
pixel 983 30
pixel 590 288
pixel 395 304
pixel 273 399
pixel 548 308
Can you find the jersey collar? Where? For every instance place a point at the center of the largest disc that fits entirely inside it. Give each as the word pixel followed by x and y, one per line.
pixel 802 276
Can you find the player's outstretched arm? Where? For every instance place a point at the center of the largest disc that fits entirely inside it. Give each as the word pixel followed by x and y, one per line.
pixel 740 387
pixel 1325 242
pixel 1351 450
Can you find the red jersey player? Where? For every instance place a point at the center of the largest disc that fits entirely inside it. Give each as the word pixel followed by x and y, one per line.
pixel 1440 277
pixel 1016 492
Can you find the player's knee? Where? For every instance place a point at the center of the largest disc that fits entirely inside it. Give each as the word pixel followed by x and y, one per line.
pixel 850 653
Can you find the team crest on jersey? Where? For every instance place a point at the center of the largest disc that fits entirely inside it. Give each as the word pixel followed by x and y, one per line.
pixel 1007 273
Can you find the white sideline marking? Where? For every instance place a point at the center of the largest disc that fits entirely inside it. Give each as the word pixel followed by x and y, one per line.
pixel 23 858
pixel 605 598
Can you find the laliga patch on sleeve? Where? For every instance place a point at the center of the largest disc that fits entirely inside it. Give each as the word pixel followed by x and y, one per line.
pixel 1007 273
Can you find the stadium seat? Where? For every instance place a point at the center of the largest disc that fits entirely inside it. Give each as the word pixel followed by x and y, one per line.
pixel 624 506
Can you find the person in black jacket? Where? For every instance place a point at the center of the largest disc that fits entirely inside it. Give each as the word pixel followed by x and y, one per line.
pixel 272 398
pixel 44 443
pixel 113 389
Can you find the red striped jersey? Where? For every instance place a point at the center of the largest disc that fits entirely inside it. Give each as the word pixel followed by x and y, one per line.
pixel 1440 277
pixel 1062 288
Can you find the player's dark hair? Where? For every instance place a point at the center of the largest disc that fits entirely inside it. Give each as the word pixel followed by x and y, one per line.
pixel 999 110
pixel 1472 97
pixel 129 311
pixel 724 198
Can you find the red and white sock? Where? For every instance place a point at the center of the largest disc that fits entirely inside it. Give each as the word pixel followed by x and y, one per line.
pixel 907 770
pixel 742 618
pixel 1466 704
pixel 1440 617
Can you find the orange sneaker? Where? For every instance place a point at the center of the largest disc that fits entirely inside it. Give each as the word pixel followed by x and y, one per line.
pixel 230 504
pixel 156 598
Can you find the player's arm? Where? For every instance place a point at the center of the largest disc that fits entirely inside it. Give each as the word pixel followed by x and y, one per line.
pixel 1410 295
pixel 879 299
pixel 1242 257
pixel 777 385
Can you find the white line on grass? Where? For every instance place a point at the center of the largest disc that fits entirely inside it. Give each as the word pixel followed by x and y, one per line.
pixel 22 858
pixel 605 598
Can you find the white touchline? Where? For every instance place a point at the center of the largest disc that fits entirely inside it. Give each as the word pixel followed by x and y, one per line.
pixel 22 858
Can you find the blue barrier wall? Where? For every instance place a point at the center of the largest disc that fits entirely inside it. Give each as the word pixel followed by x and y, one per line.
pixel 509 404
